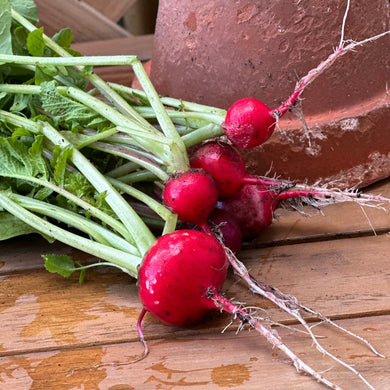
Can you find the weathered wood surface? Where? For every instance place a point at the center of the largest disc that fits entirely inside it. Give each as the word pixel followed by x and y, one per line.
pixel 85 21
pixel 140 46
pixel 63 335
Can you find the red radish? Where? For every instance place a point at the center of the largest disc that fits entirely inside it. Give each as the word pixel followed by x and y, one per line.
pixel 192 195
pixel 225 164
pixel 177 273
pixel 248 123
pixel 179 281
pixel 253 207
pixel 225 226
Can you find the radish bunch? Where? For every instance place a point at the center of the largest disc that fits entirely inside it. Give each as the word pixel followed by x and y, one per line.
pixel 180 273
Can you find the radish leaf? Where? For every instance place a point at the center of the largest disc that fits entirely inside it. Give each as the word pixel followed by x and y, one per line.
pixel 35 43
pixel 10 226
pixel 26 8
pixel 5 29
pixel 60 264
pixel 64 38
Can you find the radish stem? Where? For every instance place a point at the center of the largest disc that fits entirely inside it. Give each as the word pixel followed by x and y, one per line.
pixel 122 259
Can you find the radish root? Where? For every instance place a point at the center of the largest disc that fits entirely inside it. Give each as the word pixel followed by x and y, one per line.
pixel 292 306
pixel 270 334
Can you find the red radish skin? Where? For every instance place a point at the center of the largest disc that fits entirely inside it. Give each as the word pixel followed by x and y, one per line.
pixel 249 123
pixel 176 274
pixel 192 195
pixel 226 165
pixel 225 225
pixel 223 163
pixel 253 207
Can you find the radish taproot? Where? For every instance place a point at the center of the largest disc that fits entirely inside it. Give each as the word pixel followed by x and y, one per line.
pixel 177 273
pixel 226 165
pixel 260 202
pixel 249 123
pixel 253 207
pixel 192 195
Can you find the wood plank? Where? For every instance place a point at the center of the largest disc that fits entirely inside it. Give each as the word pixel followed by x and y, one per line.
pixel 116 74
pixel 140 46
pixel 212 361
pixel 344 278
pixel 86 23
pixel 113 10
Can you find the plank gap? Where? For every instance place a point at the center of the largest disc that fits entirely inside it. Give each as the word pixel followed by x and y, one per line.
pixel 257 243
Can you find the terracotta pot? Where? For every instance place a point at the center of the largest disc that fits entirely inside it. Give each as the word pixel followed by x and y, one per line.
pixel 215 52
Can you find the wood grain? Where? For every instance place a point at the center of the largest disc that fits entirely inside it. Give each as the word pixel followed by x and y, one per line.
pixel 113 10
pixel 140 46
pixel 215 361
pixel 86 23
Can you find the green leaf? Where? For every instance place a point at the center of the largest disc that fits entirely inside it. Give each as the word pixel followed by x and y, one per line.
pixel 35 43
pixel 35 155
pixel 44 73
pixel 87 70
pixel 64 38
pixel 21 132
pixel 20 102
pixel 43 193
pixel 5 28
pixel 19 41
pixel 26 8
pixel 19 156
pixel 67 112
pixel 10 226
pixel 59 161
pixel 60 264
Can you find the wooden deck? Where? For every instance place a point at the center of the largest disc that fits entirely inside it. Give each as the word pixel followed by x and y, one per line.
pixel 58 334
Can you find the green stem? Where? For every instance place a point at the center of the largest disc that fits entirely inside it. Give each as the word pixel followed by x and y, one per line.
pixel 157 207
pixel 115 256
pixel 149 113
pixel 202 134
pixel 123 169
pixel 138 176
pixel 180 162
pixel 172 102
pixel 82 140
pixel 134 224
pixel 98 232
pixel 94 211
pixel 69 60
pixel 126 153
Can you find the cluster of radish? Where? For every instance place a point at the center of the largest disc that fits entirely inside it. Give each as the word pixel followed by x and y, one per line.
pixel 215 195
pixel 182 274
